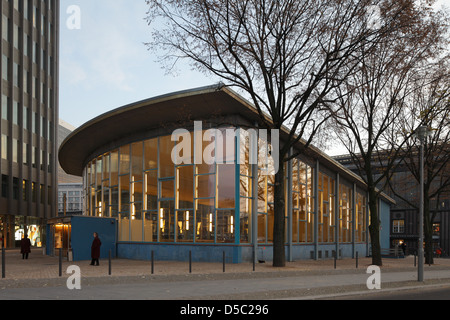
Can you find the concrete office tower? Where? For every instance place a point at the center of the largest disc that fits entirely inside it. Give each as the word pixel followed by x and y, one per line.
pixel 29 118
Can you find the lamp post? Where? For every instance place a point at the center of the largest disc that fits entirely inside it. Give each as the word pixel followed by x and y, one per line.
pixel 421 134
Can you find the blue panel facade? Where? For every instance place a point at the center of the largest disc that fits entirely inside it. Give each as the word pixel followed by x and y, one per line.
pixel 180 252
pixel 81 236
pixel 83 229
pixel 50 241
pixel 384 212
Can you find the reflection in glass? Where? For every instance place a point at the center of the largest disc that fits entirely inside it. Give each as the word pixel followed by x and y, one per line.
pixel 345 223
pixel 205 222
pixel 166 166
pixel 136 160
pixel 185 187
pixel 167 221
pixel 150 226
pixel 245 219
pixel 185 225
pixel 206 186
pixel 226 185
pixel 225 226
pixel 167 189
pixel 151 154
pixel 124 160
pixel 114 168
pixel 124 193
pixel 151 191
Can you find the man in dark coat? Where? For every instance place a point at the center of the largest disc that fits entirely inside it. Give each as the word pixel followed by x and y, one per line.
pixel 25 246
pixel 95 250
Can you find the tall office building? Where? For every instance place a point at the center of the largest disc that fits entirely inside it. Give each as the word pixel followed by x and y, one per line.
pixel 29 118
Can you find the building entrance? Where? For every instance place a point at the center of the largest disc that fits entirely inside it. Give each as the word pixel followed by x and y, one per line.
pixel 62 233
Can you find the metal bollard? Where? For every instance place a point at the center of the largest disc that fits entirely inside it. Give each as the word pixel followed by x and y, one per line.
pixel 254 259
pixel 190 261
pixel 153 261
pixel 335 258
pixel 60 262
pixel 109 263
pixel 224 261
pixel 356 259
pixel 3 263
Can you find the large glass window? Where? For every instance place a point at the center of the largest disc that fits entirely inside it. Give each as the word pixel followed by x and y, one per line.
pixel 360 218
pixel 185 225
pixel 245 187
pixel 225 226
pixel 205 220
pixel 302 202
pixel 226 185
pixel 345 213
pixel 326 225
pixel 151 154
pixel 158 201
pixel 185 187
pixel 151 190
pixel 166 165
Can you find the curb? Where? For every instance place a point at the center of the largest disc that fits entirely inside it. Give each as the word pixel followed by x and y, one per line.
pixel 402 286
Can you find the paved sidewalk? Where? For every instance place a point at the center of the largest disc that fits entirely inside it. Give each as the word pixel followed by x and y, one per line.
pixel 38 278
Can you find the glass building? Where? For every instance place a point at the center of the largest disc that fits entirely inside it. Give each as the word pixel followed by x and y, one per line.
pixel 198 190
pixel 29 113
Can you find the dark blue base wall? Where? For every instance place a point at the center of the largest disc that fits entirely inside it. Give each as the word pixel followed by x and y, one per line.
pixel 179 252
pixel 233 253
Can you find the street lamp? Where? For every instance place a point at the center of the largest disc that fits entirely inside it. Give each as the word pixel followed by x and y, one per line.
pixel 421 134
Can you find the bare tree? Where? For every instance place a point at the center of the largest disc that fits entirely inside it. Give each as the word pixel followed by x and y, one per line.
pixel 428 106
pixel 287 56
pixel 373 100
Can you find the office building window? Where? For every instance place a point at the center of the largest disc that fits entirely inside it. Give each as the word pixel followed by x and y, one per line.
pixel 398 226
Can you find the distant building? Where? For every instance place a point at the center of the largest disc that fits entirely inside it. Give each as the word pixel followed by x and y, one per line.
pixel 70 195
pixel 70 187
pixel 404 219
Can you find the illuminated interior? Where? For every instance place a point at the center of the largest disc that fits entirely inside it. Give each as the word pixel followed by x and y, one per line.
pixel 62 238
pixel 155 200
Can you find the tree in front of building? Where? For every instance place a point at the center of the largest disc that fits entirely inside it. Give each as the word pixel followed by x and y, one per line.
pixel 286 56
pixel 429 106
pixel 373 99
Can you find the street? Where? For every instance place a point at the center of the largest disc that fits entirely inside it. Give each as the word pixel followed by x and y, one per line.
pixel 434 293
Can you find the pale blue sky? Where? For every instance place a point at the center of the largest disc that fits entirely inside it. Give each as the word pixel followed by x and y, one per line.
pixel 105 65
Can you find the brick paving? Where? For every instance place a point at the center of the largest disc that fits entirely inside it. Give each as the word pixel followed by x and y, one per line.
pixel 38 279
pixel 39 266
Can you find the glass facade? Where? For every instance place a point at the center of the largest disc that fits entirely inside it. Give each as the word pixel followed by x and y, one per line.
pixel 158 200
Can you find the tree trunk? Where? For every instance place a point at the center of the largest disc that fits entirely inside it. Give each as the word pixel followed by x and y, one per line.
pixel 374 229
pixel 279 223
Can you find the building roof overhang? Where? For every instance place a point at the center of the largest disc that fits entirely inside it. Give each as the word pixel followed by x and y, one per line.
pixel 178 107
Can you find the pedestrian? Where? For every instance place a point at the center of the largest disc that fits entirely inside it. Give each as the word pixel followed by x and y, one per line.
pixel 95 250
pixel 403 245
pixel 25 246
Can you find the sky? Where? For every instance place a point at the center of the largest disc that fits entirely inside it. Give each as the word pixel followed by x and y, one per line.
pixel 104 63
